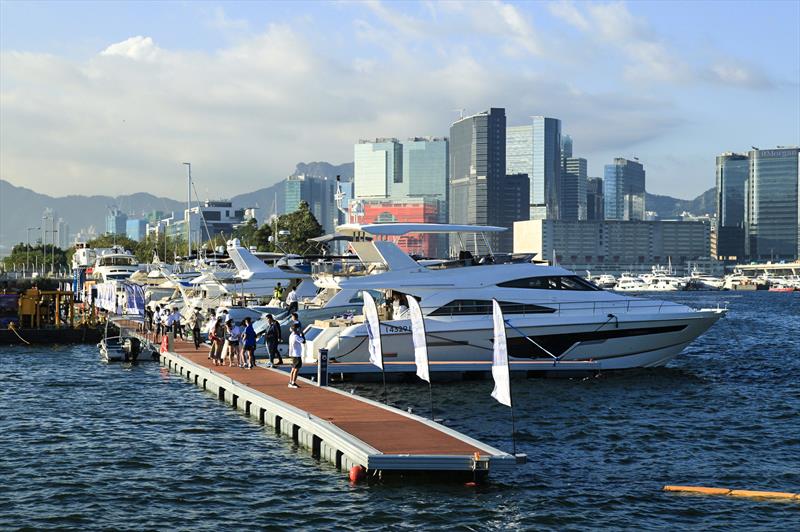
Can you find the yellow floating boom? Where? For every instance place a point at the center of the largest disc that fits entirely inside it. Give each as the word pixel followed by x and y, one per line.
pixel 734 493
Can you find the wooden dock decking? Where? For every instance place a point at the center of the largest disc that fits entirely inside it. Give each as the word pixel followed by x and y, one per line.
pixel 342 428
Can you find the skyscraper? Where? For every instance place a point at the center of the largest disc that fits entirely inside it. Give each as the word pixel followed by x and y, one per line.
pixel 623 190
pixel 478 175
pixel 573 189
pixel 136 228
pixel 566 146
pixel 318 192
pixel 378 168
pixel 594 199
pixel 405 182
pixel 772 207
pixel 116 222
pixel 732 172
pixel 536 150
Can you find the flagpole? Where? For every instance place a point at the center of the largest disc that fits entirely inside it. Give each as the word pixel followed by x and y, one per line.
pixel 511 400
pixel 383 372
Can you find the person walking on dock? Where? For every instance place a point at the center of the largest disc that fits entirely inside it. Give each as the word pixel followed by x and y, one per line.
pixel 296 341
pixel 295 319
pixel 195 323
pixel 217 336
pixel 249 342
pixel 291 300
pixel 273 338
pixel 157 320
pixel 210 325
pixel 174 321
pixel 228 348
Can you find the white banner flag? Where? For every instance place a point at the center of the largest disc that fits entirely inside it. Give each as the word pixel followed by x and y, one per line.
pixel 418 336
pixel 500 369
pixel 373 325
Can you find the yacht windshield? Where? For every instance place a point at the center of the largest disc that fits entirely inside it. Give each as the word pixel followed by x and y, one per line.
pixel 472 307
pixel 553 282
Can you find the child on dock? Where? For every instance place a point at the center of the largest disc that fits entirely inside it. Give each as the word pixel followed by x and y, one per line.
pixel 296 341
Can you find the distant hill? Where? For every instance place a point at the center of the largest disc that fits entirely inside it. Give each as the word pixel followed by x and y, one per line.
pixel 669 207
pixel 21 208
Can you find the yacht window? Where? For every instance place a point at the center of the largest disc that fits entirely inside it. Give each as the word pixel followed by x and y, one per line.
pixel 473 307
pixel 561 282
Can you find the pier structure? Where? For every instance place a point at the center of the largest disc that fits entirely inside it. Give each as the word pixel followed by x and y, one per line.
pixel 344 429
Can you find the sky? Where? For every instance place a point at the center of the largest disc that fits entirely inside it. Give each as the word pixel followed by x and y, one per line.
pixel 111 97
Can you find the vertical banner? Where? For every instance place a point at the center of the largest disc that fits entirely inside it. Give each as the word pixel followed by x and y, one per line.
pixel 373 325
pixel 418 336
pixel 500 369
pixel 134 299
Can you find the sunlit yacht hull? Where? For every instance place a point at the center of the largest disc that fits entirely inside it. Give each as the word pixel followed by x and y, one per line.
pixel 623 342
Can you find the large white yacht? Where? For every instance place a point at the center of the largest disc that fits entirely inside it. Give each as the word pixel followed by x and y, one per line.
pixel 114 264
pixel 552 314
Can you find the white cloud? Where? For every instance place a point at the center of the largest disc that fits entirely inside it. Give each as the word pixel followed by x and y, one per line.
pixel 566 11
pixel 245 114
pixel 138 48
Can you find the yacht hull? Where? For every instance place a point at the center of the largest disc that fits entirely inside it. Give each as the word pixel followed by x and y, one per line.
pixel 613 343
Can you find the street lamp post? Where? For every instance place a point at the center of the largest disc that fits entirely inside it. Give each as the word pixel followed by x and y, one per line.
pixel 28 248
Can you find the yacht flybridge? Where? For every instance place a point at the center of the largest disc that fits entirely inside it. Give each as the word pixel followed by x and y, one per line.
pixel 554 317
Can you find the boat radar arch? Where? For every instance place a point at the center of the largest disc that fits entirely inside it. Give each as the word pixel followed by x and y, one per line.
pixel 399 229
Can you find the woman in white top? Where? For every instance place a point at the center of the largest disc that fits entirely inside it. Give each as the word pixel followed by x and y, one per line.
pixel 296 341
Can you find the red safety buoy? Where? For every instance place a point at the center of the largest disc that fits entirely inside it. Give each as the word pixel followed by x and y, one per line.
pixel 357 473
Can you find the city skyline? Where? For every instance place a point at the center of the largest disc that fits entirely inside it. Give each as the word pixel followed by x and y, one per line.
pixel 244 91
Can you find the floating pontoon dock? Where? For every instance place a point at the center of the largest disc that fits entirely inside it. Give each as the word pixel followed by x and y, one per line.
pixel 341 428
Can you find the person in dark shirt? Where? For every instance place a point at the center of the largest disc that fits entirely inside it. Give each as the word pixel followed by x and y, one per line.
pixel 249 344
pixel 273 337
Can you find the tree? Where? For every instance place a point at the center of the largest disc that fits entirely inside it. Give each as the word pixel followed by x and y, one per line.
pixel 38 255
pixel 301 225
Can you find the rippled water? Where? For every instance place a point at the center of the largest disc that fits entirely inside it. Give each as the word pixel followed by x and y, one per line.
pixel 90 446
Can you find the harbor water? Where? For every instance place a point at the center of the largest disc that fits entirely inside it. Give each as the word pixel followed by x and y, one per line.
pixel 84 445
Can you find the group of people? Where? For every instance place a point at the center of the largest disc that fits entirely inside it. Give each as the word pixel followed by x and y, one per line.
pixel 163 320
pixel 230 342
pixel 236 343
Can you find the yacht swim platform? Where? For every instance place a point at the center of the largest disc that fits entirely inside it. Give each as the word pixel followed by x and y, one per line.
pixel 344 429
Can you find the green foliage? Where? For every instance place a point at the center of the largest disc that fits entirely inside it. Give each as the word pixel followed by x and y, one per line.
pixel 301 225
pixel 36 255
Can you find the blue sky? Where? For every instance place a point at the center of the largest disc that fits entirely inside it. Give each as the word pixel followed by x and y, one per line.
pixel 110 97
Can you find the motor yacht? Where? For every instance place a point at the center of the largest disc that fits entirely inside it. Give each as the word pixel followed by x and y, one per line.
pixel 114 264
pixel 551 313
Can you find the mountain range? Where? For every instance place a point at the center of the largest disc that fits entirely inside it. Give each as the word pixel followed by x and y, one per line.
pixel 21 207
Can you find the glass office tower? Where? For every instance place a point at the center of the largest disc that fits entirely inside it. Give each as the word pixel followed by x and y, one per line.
pixel 478 177
pixel 594 199
pixel 426 171
pixel 378 167
pixel 536 150
pixel 772 207
pixel 623 190
pixel 573 189
pixel 732 172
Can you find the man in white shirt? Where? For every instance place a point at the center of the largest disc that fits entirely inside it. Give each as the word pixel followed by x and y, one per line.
pixel 296 341
pixel 291 300
pixel 174 321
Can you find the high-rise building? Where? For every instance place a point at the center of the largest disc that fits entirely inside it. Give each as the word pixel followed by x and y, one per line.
pixel 623 190
pixel 115 222
pixel 319 193
pixel 136 228
pixel 536 150
pixel 425 170
pixel 772 224
pixel 378 168
pixel 478 175
pixel 594 199
pixel 566 146
pixel 573 189
pixel 732 172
